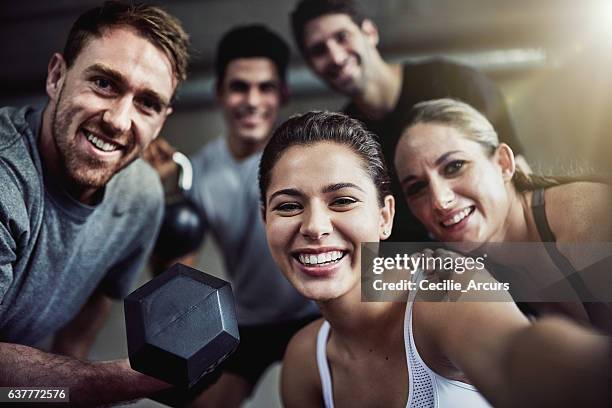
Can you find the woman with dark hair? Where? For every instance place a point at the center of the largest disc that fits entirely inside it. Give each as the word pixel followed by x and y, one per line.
pixel 463 185
pixel 324 192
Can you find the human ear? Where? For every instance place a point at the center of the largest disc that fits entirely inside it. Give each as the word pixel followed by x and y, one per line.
pixel 387 212
pixel 56 73
pixel 262 212
pixel 371 31
pixel 505 158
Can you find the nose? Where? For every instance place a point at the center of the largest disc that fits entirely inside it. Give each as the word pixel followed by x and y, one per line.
pixel 337 53
pixel 316 223
pixel 442 195
pixel 253 97
pixel 118 115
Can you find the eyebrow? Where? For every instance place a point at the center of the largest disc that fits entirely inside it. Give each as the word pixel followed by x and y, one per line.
pixel 438 161
pixel 339 186
pixel 245 82
pixel 119 78
pixel 294 192
pixel 323 41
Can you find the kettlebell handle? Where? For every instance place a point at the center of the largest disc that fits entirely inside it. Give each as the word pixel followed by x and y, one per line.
pixel 185 180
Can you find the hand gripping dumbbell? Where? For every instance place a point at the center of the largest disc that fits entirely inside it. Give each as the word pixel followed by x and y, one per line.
pixel 180 326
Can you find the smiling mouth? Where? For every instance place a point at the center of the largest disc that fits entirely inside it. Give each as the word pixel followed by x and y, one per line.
pixel 100 144
pixel 322 259
pixel 458 217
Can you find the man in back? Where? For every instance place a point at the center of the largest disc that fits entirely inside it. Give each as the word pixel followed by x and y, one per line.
pixel 340 45
pixel 250 86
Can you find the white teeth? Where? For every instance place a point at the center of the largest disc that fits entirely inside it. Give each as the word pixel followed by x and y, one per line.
pixel 99 143
pixel 457 217
pixel 320 259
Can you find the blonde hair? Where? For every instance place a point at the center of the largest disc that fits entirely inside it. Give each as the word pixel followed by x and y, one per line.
pixel 476 127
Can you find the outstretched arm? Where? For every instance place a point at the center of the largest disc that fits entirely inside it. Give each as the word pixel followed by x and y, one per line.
pixel 551 362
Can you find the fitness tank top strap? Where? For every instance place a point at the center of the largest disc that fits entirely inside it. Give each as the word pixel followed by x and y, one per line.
pixel 322 364
pixel 538 208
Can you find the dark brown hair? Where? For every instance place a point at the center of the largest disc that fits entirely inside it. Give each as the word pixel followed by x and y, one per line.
pixel 249 41
pixel 314 127
pixel 308 10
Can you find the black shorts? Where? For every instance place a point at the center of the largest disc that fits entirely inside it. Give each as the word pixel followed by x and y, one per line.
pixel 260 346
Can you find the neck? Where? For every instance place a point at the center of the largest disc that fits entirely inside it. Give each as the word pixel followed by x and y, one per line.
pixel 382 90
pixel 241 150
pixel 521 225
pixel 52 162
pixel 519 228
pixel 358 325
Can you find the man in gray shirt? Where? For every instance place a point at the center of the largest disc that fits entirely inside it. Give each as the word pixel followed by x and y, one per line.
pixel 250 69
pixel 78 210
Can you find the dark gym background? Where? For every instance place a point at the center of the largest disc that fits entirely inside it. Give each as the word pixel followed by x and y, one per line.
pixel 552 59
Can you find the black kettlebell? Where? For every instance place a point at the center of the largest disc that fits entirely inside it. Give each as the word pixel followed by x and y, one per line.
pixel 183 226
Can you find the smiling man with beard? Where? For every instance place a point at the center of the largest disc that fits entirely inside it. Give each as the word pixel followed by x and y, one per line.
pixel 340 45
pixel 78 211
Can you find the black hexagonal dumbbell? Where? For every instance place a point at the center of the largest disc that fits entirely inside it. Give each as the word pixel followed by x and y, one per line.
pixel 181 325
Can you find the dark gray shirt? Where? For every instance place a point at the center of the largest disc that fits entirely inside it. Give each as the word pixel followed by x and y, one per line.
pixel 55 251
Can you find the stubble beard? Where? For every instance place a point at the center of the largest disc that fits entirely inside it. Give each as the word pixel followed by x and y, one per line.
pixel 81 171
pixel 357 85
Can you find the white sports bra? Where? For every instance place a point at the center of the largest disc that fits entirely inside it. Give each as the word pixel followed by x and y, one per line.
pixel 427 389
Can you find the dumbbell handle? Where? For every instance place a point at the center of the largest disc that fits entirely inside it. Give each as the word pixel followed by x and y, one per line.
pixel 185 171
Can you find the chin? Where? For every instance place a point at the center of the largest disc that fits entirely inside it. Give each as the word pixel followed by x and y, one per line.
pixel 93 181
pixel 319 290
pixel 254 136
pixel 93 177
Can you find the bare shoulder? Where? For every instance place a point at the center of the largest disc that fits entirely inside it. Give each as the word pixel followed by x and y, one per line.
pixel 300 383
pixel 580 211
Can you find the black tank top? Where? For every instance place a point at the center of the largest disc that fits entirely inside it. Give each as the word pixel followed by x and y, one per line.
pixel 565 266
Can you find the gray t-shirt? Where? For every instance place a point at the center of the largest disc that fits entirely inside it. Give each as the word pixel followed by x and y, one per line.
pixel 55 251
pixel 227 192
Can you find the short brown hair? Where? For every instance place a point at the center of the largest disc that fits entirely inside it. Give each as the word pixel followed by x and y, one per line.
pixel 249 41
pixel 151 22
pixel 308 10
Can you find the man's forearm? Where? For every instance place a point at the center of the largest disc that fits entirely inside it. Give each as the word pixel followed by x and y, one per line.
pixel 89 383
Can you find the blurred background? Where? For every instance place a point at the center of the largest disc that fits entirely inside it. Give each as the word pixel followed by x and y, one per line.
pixel 551 58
